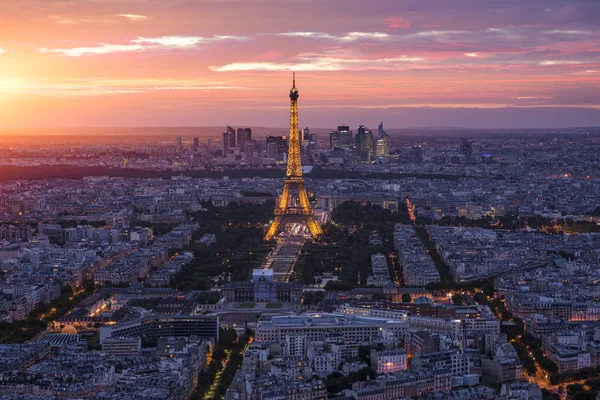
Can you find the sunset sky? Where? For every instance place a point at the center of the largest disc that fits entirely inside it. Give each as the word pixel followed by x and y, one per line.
pixel 217 62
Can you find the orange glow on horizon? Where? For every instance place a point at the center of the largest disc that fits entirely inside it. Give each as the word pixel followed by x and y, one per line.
pixel 118 63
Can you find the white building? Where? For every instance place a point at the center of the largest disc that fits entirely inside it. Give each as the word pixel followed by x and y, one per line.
pixel 347 309
pixel 389 361
pixel 317 326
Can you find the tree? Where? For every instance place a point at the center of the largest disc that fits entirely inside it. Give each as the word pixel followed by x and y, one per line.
pixel 319 296
pixel 457 299
pixel 89 286
pixel 202 297
pixel 67 291
pixel 248 334
pixel 213 298
pixel 307 298
pixel 64 224
pixel 227 337
pixel 380 297
pixel 588 372
pixel 406 298
pixel 338 286
pixel 548 365
pixel 364 353
pixel 529 365
pixel 548 395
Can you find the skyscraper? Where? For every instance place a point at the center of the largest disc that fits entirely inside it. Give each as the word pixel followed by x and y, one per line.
pixel 195 146
pixel 178 145
pixel 382 147
pixel 308 145
pixel 305 135
pixel 243 135
pixel 231 137
pixel 282 144
pixel 366 144
pixel 225 143
pixel 345 135
pixel 380 130
pixel 258 147
pixel 342 137
pixel 249 150
pixel 272 150
pixel 334 139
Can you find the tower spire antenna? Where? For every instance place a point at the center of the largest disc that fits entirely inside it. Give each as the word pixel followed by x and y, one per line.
pixel 293 79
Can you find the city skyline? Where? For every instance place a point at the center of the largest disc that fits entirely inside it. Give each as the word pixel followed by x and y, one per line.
pixel 427 63
pixel 300 199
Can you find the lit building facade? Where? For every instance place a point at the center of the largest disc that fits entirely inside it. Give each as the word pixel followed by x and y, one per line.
pixel 262 288
pixel 388 361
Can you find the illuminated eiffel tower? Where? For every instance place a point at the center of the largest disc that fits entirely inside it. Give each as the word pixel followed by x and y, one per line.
pixel 293 205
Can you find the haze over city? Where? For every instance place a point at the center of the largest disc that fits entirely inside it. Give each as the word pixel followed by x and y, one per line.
pixel 465 63
pixel 299 200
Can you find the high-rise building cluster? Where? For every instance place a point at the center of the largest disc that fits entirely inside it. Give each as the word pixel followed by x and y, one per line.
pixel 366 147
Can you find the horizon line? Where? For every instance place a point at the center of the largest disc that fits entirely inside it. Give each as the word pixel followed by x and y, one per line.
pixel 286 128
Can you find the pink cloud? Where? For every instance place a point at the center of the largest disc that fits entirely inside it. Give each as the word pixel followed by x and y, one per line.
pixel 431 25
pixel 397 23
pixel 420 54
pixel 269 56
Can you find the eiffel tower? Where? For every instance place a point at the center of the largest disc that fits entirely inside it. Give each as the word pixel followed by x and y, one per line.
pixel 293 205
